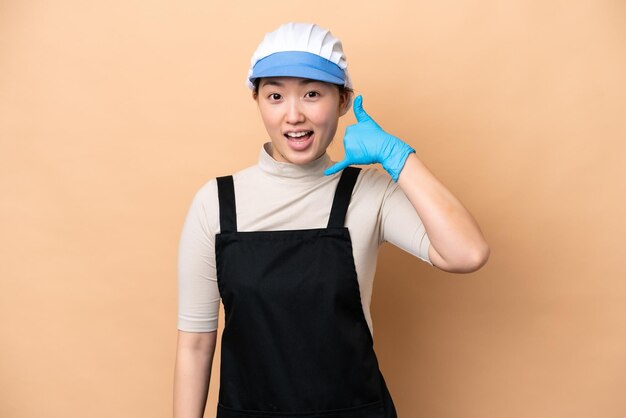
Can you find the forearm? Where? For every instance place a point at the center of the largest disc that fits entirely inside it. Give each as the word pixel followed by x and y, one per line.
pixel 452 230
pixel 192 374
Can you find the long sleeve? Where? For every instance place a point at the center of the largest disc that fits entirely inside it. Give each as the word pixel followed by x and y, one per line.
pixel 198 293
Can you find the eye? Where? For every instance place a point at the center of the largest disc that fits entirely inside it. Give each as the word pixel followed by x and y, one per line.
pixel 314 94
pixel 273 96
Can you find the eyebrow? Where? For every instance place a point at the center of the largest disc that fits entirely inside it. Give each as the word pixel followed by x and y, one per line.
pixel 279 84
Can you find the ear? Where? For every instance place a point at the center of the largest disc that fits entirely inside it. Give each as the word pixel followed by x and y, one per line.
pixel 346 103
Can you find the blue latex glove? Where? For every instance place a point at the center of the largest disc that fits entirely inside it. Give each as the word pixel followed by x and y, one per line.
pixel 366 143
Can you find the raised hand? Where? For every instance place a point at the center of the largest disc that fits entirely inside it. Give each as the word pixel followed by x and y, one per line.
pixel 367 143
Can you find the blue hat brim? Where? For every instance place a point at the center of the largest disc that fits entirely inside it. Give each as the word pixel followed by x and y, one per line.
pixel 298 64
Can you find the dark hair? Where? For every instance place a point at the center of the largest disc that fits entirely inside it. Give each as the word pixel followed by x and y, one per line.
pixel 342 89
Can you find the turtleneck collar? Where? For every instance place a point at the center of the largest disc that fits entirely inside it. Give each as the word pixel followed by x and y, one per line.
pixel 312 170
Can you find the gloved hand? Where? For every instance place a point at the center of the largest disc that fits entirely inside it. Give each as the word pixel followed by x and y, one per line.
pixel 366 143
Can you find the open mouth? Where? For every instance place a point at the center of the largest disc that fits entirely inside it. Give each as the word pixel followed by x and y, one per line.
pixel 299 136
pixel 300 141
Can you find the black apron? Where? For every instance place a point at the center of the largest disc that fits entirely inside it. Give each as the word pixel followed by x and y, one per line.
pixel 295 341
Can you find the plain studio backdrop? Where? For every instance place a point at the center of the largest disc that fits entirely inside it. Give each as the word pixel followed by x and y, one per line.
pixel 113 113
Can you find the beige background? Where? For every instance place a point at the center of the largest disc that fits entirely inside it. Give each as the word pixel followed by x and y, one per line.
pixel 113 113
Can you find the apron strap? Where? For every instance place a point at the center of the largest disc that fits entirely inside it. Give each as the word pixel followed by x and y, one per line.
pixel 226 196
pixel 342 196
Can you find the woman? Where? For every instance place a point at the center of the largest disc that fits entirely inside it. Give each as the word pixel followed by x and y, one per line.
pixel 290 245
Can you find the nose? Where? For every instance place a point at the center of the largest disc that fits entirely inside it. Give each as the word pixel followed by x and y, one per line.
pixel 294 112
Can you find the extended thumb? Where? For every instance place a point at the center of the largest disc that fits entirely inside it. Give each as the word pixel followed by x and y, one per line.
pixel 361 115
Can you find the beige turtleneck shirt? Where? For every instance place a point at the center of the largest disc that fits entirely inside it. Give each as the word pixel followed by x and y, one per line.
pixel 275 195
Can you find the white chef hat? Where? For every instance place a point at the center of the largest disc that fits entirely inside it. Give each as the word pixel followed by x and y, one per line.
pixel 300 50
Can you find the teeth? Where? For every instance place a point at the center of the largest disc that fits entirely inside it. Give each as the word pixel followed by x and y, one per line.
pixel 297 134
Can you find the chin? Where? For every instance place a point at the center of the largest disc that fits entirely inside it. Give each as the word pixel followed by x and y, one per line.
pixel 301 158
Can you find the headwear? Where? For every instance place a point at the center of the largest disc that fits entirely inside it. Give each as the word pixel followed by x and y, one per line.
pixel 300 50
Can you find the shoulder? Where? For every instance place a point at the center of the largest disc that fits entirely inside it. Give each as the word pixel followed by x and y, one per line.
pixel 207 192
pixel 206 195
pixel 372 181
pixel 205 202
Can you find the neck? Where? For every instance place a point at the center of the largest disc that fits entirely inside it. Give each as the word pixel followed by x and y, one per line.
pixel 284 170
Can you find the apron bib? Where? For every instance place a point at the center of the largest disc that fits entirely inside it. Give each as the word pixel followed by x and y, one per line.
pixel 295 341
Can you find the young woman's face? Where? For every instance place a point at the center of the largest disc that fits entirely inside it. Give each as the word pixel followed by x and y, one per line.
pixel 292 106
